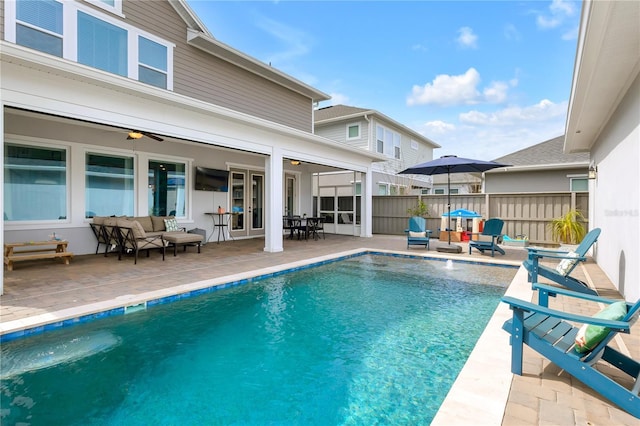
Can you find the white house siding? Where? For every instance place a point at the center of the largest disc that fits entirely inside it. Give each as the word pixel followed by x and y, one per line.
pixel 338 132
pixel 615 206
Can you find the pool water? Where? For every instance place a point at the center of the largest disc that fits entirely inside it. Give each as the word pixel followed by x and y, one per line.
pixel 367 340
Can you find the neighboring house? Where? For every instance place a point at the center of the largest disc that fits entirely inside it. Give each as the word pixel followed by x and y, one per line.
pixel 370 130
pixel 544 167
pixel 459 183
pixel 604 120
pixel 79 76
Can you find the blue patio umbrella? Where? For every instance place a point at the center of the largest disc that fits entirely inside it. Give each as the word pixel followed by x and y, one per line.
pixel 451 164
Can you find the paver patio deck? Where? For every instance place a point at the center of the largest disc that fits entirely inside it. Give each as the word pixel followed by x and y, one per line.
pixel 43 290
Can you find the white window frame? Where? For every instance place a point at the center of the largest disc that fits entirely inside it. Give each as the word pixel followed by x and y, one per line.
pixel 414 145
pixel 116 9
pixel 389 138
pixel 578 177
pixel 350 138
pixel 70 35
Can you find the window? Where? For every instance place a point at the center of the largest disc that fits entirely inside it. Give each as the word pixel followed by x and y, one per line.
pixel 382 189
pixel 39 25
pixel 77 32
pixel 109 185
pixel 113 6
pixel 102 45
pixel 152 63
pixel 35 183
pixel 414 145
pixel 380 139
pixel 453 191
pixel 387 142
pixel 438 191
pixel 166 188
pixel 579 184
pixel 353 131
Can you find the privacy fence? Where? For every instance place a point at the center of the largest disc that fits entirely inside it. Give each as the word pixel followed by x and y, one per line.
pixel 527 214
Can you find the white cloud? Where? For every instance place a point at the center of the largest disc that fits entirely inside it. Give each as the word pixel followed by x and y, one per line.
pixel 337 99
pixel 419 47
pixel 438 127
pixel 294 42
pixel 467 38
pixel 489 135
pixel 496 92
pixel 447 90
pixel 515 115
pixel 559 10
pixel 511 32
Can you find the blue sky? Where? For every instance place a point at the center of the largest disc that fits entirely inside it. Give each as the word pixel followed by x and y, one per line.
pixel 482 79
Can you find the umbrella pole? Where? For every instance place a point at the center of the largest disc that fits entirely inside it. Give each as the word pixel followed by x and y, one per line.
pixel 449 205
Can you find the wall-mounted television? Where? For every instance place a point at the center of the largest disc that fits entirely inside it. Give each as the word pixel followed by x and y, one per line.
pixel 211 180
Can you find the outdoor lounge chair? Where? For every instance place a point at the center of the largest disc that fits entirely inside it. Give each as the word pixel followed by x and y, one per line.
pixel 568 262
pixel 546 331
pixel 489 238
pixel 133 238
pixel 417 234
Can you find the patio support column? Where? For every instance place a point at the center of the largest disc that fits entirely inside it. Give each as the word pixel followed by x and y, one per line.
pixel 2 198
pixel 366 209
pixel 274 184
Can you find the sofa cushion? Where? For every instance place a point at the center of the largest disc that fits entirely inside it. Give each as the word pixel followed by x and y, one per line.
pixel 158 222
pixel 146 223
pixel 99 220
pixel 170 225
pixel 134 225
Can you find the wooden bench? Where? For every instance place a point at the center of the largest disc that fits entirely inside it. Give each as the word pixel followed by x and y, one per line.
pixel 36 250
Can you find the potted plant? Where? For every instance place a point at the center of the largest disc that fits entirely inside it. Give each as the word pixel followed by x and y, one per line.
pixel 419 210
pixel 568 229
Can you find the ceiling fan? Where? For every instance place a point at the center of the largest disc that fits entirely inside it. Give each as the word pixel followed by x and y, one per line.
pixel 137 134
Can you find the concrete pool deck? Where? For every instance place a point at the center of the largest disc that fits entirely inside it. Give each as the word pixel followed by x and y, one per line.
pixel 43 292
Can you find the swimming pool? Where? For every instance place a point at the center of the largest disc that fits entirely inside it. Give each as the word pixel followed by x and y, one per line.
pixel 365 340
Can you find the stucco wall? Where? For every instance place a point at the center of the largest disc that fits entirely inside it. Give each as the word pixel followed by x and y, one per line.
pixel 615 206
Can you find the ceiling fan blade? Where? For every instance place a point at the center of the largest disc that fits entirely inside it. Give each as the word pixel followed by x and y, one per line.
pixel 152 136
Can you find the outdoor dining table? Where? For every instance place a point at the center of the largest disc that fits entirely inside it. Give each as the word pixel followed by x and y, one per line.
pixel 305 226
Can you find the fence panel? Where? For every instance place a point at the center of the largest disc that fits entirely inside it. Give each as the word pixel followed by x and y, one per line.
pixel 527 214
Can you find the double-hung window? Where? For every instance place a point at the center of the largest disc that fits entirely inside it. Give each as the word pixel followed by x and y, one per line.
pixel 77 32
pixel 152 62
pixel 387 142
pixel 39 25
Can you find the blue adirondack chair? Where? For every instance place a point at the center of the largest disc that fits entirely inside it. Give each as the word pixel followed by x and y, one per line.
pixel 417 234
pixel 489 237
pixel 546 331
pixel 568 262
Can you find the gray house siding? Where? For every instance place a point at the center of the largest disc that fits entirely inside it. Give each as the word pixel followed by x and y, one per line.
pixel 338 132
pixel 202 76
pixel 532 181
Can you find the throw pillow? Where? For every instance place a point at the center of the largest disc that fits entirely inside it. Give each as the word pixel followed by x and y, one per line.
pixel 590 335
pixel 171 225
pixel 417 234
pixel 565 265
